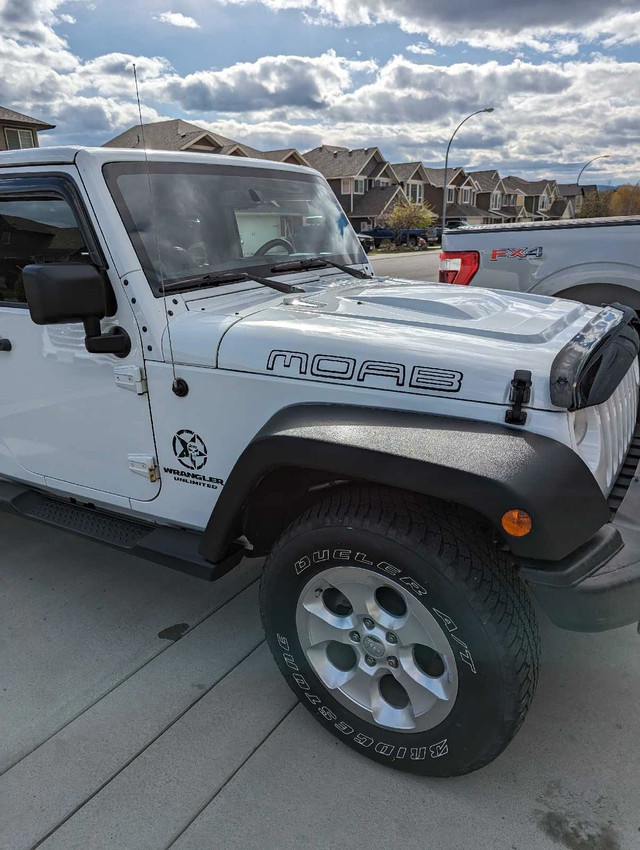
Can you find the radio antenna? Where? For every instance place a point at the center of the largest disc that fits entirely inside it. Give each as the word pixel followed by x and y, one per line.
pixel 179 385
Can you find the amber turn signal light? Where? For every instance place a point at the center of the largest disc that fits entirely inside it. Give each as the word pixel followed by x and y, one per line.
pixel 517 523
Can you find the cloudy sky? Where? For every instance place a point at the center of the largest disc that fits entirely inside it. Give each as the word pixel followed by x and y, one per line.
pixel 563 75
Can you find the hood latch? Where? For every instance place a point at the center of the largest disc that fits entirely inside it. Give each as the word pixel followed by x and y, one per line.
pixel 520 394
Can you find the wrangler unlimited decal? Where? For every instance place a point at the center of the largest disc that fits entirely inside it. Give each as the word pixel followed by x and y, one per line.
pixel 338 368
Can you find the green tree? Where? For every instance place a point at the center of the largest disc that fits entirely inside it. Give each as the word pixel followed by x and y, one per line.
pixel 407 215
pixel 625 200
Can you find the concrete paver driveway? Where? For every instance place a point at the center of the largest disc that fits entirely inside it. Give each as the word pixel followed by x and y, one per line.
pixel 140 709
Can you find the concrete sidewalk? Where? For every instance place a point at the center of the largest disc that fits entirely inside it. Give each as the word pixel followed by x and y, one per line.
pixel 140 709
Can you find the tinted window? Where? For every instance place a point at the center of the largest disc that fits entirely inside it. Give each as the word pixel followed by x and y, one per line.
pixel 35 231
pixel 201 219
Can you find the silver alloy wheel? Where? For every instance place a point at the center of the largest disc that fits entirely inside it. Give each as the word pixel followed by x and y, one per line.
pixel 377 649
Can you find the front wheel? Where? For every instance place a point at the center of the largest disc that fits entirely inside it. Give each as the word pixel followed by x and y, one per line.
pixel 403 629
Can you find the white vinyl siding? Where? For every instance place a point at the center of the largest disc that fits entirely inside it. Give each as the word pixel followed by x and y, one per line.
pixel 18 139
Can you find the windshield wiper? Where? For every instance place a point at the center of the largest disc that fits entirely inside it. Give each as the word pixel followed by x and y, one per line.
pixel 230 277
pixel 317 263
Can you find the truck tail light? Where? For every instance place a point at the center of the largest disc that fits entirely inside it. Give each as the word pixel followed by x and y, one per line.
pixel 458 266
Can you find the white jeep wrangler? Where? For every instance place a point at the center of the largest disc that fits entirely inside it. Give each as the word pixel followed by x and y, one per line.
pixel 198 365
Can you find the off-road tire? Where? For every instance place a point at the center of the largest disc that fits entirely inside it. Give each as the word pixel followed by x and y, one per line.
pixel 450 564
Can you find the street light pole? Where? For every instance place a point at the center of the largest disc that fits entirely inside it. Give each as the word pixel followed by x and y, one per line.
pixel 602 156
pixel 446 162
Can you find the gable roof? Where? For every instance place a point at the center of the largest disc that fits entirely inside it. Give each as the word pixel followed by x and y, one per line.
pixel 557 208
pixel 9 116
pixel 486 180
pixel 336 162
pixel 375 201
pixel 530 187
pixel 436 175
pixel 406 171
pixel 569 190
pixel 178 135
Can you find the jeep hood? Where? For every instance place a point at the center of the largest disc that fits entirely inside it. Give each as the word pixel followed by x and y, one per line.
pixel 407 336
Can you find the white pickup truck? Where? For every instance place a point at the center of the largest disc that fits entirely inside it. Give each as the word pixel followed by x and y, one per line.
pixel 596 261
pixel 197 365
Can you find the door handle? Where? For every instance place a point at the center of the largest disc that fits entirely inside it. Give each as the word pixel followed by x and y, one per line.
pixel 5 345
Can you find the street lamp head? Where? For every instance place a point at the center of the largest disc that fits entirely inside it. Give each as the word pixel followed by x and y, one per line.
pixel 488 109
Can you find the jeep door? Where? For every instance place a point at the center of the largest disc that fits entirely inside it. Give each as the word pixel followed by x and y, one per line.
pixel 68 420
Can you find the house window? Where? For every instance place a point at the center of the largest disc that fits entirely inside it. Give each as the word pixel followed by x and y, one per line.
pixel 542 205
pixel 450 194
pixel 345 186
pixel 32 230
pixel 466 196
pixel 496 200
pixel 382 183
pixel 17 139
pixel 415 192
pixel 359 185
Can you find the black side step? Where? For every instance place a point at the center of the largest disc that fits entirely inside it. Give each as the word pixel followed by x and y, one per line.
pixel 173 547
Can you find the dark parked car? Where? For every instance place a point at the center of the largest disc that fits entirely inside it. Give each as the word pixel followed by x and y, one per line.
pixel 367 242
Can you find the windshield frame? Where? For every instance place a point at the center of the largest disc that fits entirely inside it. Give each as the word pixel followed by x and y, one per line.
pixel 113 170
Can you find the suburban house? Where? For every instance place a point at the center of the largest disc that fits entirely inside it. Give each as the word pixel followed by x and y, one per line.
pixel 179 135
pixel 542 200
pixel 461 196
pixel 413 179
pixel 492 196
pixel 363 181
pixel 19 131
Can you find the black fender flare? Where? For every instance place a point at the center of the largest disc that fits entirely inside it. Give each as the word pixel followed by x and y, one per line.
pixel 488 467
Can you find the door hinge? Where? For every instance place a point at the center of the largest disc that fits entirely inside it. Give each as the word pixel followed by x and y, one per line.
pixel 520 394
pixel 145 465
pixel 130 378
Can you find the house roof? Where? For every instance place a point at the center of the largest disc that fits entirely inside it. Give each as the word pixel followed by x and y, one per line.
pixel 569 190
pixel 486 180
pixel 557 208
pixel 11 117
pixel 336 162
pixel 590 188
pixel 529 187
pixel 436 175
pixel 283 155
pixel 406 170
pixel 465 210
pixel 177 135
pixel 375 201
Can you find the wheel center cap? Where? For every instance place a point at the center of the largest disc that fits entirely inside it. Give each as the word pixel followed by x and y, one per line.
pixel 373 646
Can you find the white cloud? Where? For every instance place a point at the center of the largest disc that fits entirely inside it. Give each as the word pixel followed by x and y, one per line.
pixel 271 82
pixel 550 117
pixel 422 48
pixel 541 25
pixel 177 19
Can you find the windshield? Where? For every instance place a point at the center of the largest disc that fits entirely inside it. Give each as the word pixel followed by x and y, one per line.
pixel 188 220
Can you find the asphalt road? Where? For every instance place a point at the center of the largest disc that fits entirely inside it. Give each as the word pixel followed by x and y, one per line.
pixel 140 710
pixel 419 265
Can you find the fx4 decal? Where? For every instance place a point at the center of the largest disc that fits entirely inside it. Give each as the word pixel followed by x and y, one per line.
pixel 515 253
pixel 396 376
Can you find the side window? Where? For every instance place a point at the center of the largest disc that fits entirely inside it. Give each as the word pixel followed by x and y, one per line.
pixel 35 231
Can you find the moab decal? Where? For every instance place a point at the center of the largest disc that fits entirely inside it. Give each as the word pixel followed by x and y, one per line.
pixel 299 364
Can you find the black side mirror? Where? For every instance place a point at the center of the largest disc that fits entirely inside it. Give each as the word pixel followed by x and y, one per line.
pixel 75 292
